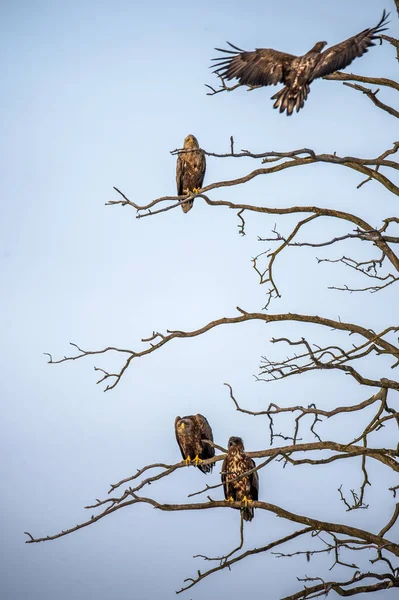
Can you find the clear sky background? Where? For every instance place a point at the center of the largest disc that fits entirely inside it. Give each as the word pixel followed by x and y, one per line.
pixel 96 94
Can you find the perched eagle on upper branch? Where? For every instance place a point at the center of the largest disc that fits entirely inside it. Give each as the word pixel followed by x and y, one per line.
pixel 191 431
pixel 244 489
pixel 265 66
pixel 190 170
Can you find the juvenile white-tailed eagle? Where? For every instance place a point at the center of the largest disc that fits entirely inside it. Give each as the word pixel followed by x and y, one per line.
pixel 190 170
pixel 246 488
pixel 191 431
pixel 265 66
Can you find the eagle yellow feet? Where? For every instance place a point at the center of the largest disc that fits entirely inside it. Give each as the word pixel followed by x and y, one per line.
pixel 230 499
pixel 189 192
pixel 245 501
pixel 197 460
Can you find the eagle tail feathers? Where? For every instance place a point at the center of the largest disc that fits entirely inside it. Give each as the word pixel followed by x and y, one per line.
pixel 289 98
pixel 186 206
pixel 247 513
pixel 206 468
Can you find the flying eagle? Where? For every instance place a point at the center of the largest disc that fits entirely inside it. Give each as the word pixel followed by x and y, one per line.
pixel 245 489
pixel 191 431
pixel 190 170
pixel 265 66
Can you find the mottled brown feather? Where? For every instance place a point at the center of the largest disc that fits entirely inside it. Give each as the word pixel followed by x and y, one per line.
pixel 236 463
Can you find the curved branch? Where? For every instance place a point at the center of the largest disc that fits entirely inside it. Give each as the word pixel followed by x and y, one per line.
pixel 373 97
pixel 322 589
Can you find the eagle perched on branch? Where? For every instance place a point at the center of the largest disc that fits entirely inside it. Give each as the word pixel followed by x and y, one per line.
pixel 190 170
pixel 265 66
pixel 246 488
pixel 191 431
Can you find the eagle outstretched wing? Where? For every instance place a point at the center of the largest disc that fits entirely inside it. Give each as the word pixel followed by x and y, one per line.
pixel 264 66
pixel 341 55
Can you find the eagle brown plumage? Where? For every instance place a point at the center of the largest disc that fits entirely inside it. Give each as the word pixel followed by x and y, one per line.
pixel 190 170
pixel 266 66
pixel 246 488
pixel 191 431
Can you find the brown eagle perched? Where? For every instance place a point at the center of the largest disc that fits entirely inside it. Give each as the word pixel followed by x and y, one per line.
pixel 245 489
pixel 190 170
pixel 191 431
pixel 265 66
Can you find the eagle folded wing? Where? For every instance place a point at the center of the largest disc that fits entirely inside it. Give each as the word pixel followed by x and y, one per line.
pixel 341 55
pixel 200 167
pixel 225 466
pixel 178 438
pixel 254 479
pixel 179 175
pixel 206 434
pixel 263 66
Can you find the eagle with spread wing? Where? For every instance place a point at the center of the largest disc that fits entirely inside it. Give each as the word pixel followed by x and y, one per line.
pixel 190 170
pixel 245 489
pixel 191 431
pixel 265 66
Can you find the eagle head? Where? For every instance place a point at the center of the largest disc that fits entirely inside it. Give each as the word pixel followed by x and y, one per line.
pixel 236 442
pixel 184 425
pixel 191 141
pixel 318 47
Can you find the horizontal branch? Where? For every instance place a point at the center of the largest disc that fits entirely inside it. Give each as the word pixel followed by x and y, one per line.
pixel 157 340
pixel 383 455
pixel 295 158
pixel 315 524
pixel 274 409
pixel 365 229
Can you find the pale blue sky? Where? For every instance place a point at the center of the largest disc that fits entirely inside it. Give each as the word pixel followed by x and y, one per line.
pixel 95 95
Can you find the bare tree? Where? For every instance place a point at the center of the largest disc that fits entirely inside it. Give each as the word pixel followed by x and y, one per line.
pixel 349 348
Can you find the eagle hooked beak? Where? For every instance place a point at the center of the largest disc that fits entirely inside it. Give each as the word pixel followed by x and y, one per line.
pixel 183 426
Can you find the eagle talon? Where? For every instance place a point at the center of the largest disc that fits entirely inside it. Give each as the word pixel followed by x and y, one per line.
pixel 230 499
pixel 197 460
pixel 187 461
